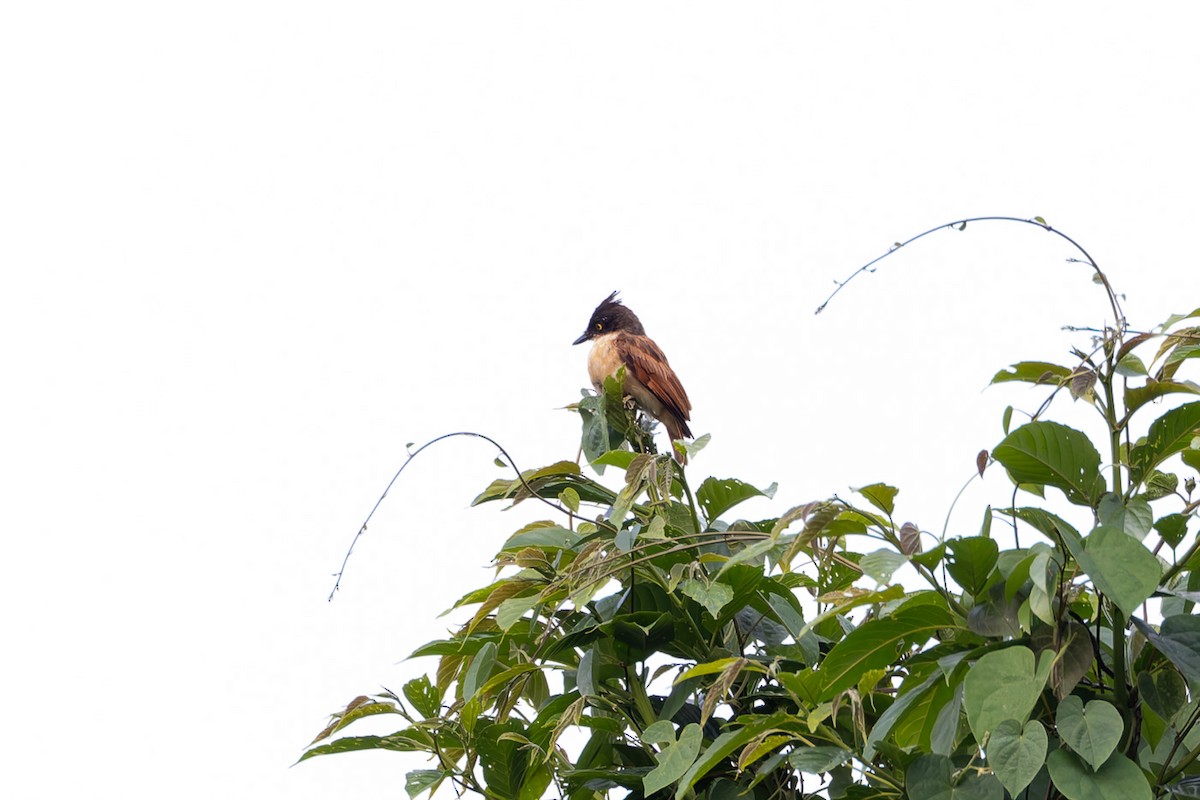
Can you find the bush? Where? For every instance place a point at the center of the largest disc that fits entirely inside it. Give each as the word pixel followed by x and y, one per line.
pixel 639 642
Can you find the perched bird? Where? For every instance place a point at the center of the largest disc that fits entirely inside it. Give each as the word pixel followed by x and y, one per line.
pixel 618 339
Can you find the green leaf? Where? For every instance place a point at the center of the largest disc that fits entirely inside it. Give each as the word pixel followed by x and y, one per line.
pixel 479 671
pixel 971 561
pixel 674 760
pixel 874 644
pixel 419 780
pixel 533 785
pixel 718 495
pixel 1016 754
pixel 1051 454
pixel 751 553
pixel 819 759
pixel 1134 519
pixel 1182 352
pixel 553 537
pixel 943 737
pixel 1093 731
pixel 930 558
pixel 661 732
pixel 616 458
pixel 881 564
pixel 1171 320
pixel 1003 684
pixel 357 709
pixel 511 610
pixel 1138 396
pixel 1050 525
pixel 598 436
pixel 1164 690
pixel 1178 638
pixel 712 667
pixel 1131 366
pixel 348 744
pixel 1072 652
pixel 1168 434
pixel 1121 567
pixel 626 537
pixel 570 498
pixel 881 496
pixel 503 759
pixel 1161 484
pixel 713 596
pixel 785 605
pixel 854 600
pixel 424 696
pixel 1117 779
pixel 723 746
pixel 1033 372
pixel 994 615
pixel 883 726
pixel 931 777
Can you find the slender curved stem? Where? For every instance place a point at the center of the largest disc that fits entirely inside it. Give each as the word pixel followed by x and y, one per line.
pixel 1114 303
pixel 363 528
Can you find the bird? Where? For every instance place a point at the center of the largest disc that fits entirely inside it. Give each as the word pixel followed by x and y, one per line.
pixel 619 340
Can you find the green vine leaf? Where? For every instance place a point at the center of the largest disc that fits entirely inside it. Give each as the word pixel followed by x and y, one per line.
pixel 1093 731
pixel 1003 684
pixel 1120 566
pixel 931 777
pixel 1117 779
pixel 1017 753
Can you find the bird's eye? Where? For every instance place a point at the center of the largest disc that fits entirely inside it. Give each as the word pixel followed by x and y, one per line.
pixel 599 326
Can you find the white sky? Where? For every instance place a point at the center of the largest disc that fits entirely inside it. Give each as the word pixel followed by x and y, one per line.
pixel 250 250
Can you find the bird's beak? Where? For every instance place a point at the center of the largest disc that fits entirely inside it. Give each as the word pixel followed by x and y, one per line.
pixel 582 338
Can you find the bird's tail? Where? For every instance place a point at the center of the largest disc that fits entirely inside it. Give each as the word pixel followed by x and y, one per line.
pixel 677 429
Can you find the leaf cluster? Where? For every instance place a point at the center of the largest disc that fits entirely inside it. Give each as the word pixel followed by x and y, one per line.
pixel 650 642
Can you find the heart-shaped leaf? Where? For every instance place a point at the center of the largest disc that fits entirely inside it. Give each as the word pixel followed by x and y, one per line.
pixel 1121 567
pixel 1117 779
pixel 931 777
pixel 1003 684
pixel 1093 731
pixel 1016 754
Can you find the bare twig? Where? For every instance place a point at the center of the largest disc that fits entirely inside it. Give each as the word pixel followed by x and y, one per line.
pixel 363 528
pixel 1118 314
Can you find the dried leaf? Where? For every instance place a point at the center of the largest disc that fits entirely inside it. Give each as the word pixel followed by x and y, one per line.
pixel 1082 383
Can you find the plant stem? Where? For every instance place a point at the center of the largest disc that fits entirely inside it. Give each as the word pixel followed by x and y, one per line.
pixel 691 500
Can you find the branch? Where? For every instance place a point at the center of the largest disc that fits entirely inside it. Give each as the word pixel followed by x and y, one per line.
pixel 363 529
pixel 961 224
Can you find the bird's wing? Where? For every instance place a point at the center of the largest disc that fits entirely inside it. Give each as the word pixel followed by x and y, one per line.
pixel 646 362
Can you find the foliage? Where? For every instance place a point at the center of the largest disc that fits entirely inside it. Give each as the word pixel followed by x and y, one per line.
pixel 648 642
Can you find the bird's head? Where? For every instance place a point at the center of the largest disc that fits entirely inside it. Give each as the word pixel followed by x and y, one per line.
pixel 611 316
